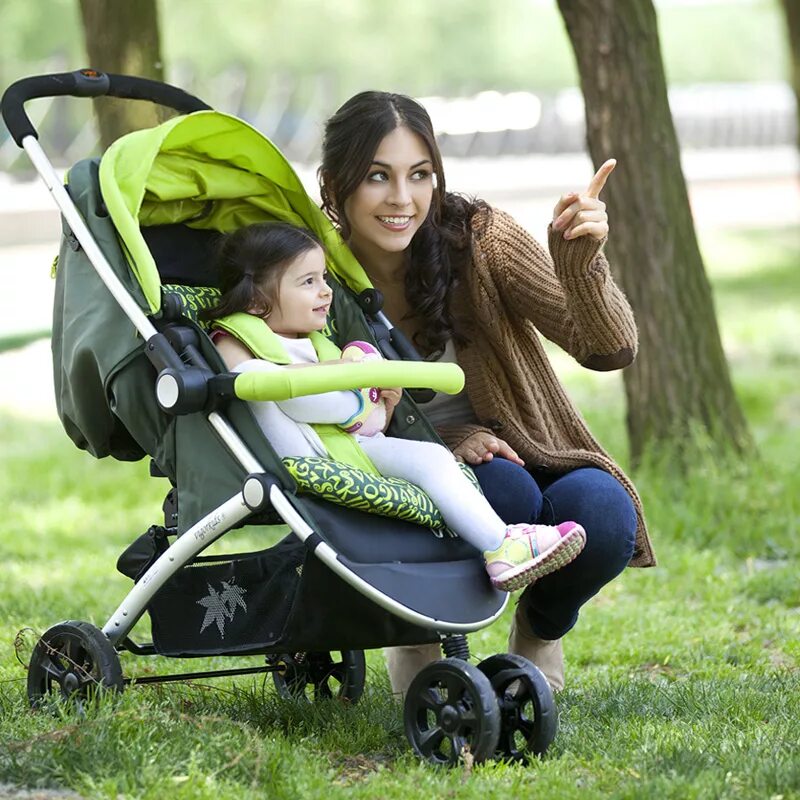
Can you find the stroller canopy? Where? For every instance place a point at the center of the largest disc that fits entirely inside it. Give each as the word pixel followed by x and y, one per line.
pixel 208 170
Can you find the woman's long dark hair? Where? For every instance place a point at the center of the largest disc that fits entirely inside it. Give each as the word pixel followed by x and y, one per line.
pixel 442 247
pixel 251 262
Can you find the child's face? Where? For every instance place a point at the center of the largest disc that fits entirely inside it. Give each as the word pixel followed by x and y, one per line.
pixel 303 297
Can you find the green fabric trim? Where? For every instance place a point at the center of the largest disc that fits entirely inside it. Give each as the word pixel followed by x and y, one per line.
pixel 208 170
pixel 343 448
pixel 351 487
pixel 256 336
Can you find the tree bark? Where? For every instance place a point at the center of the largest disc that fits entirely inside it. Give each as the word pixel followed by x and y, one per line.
pixel 680 382
pixel 791 10
pixel 122 37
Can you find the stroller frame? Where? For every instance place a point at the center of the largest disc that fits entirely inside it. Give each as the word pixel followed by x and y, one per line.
pixel 493 687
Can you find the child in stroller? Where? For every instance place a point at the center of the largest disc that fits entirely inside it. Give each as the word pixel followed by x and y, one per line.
pixel 276 273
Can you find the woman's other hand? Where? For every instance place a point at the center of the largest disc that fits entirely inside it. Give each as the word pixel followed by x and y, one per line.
pixel 481 447
pixel 390 397
pixel 584 214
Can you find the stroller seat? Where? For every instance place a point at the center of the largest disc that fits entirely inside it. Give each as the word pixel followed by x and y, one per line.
pixel 336 482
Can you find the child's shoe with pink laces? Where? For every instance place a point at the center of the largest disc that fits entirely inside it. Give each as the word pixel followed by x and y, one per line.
pixel 529 552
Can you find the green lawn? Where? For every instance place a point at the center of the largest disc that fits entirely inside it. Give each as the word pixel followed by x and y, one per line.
pixel 683 681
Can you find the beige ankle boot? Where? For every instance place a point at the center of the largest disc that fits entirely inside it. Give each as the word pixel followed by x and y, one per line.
pixel 405 662
pixel 546 654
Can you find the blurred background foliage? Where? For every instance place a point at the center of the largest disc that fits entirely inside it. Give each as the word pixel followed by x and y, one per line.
pixel 285 65
pixel 450 47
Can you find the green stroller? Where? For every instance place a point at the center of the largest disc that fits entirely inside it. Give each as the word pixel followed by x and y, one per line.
pixel 368 561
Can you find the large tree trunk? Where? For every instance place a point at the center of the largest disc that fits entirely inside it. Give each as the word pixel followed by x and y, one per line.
pixel 680 381
pixel 122 37
pixel 791 9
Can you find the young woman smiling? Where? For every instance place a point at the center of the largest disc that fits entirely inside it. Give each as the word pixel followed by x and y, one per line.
pixel 466 283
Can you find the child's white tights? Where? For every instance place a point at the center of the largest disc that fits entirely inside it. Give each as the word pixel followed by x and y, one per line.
pixel 430 466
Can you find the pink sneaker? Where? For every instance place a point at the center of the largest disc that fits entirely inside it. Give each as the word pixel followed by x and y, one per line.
pixel 529 552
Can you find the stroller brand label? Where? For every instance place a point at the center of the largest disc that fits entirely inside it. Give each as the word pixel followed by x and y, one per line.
pixel 209 527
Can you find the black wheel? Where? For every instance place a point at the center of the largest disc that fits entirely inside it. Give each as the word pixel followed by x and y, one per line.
pixel 316 676
pixel 451 709
pixel 72 660
pixel 527 708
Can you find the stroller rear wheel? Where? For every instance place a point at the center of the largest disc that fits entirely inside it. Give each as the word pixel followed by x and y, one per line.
pixel 527 708
pixel 450 711
pixel 316 676
pixel 72 660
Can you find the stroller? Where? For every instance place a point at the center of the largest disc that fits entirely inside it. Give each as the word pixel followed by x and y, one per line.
pixel 368 561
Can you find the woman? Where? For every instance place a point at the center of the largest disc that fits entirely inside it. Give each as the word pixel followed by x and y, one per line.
pixel 466 283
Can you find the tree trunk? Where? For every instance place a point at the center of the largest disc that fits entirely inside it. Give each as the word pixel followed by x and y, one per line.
pixel 791 9
pixel 122 37
pixel 680 382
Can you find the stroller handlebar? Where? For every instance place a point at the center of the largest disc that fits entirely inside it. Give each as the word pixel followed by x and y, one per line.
pixel 87 83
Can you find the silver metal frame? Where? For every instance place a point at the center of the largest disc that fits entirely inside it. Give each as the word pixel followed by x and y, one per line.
pixel 231 512
pixel 84 236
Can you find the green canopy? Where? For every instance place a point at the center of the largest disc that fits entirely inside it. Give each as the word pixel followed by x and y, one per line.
pixel 208 170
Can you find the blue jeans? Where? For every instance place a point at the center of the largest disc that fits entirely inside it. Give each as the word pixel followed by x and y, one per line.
pixel 586 495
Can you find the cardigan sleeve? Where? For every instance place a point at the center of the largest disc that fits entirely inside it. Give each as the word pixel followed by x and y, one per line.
pixel 568 293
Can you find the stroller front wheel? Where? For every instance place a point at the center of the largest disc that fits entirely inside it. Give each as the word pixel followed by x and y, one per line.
pixel 527 708
pixel 450 711
pixel 73 661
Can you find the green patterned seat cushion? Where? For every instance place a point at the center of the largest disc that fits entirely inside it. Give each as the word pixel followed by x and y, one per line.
pixel 194 298
pixel 351 487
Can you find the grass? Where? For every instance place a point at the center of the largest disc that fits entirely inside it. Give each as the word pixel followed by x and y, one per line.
pixel 16 341
pixel 683 681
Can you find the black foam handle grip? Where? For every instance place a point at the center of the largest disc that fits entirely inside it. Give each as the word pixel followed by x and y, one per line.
pixel 87 83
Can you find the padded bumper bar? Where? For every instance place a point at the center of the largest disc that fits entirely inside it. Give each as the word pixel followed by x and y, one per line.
pixel 285 383
pixel 187 390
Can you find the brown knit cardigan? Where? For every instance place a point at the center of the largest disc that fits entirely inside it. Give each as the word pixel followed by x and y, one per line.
pixel 514 288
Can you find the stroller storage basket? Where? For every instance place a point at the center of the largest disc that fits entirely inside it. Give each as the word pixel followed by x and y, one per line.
pixel 281 598
pixel 234 604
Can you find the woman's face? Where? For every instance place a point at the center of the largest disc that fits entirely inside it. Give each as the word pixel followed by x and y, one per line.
pixel 393 200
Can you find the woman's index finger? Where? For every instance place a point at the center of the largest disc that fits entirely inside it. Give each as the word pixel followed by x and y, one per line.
pixel 600 177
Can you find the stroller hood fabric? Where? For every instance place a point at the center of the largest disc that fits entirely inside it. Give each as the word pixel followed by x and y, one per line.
pixel 208 170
